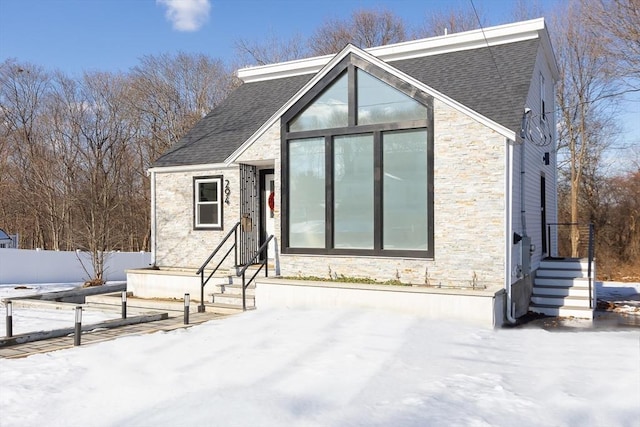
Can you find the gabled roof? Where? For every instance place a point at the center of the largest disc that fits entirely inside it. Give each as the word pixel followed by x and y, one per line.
pixel 465 78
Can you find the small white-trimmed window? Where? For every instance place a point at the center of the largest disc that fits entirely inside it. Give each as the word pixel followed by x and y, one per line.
pixel 207 205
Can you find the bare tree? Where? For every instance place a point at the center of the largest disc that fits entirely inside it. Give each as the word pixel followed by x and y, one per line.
pixel 75 151
pixel 99 134
pixel 618 243
pixel 626 190
pixel 172 92
pixel 523 10
pixel 270 49
pixel 451 21
pixel 584 98
pixel 364 29
pixel 617 23
pixel 35 157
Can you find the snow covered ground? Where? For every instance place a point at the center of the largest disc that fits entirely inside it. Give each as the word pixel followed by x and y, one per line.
pixel 332 368
pixel 624 297
pixel 32 320
pixel 7 291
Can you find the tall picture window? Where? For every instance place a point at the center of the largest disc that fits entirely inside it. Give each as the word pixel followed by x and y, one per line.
pixel 207 193
pixel 358 166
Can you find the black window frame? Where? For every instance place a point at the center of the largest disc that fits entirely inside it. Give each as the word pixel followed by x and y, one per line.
pixel 196 181
pixel 349 65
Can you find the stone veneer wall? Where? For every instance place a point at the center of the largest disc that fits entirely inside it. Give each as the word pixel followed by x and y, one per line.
pixel 469 210
pixel 179 245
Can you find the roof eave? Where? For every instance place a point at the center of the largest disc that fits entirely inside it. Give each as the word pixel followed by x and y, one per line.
pixel 547 47
pixel 490 36
pixel 188 168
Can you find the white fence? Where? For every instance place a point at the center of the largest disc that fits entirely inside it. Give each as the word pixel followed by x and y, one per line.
pixel 23 266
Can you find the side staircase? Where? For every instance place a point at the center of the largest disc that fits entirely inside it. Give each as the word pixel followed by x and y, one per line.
pixel 564 287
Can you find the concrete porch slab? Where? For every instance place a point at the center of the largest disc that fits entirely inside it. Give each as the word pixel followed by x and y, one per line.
pixel 481 307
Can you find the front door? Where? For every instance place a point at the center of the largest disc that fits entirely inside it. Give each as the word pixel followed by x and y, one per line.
pixel 268 222
pixel 249 213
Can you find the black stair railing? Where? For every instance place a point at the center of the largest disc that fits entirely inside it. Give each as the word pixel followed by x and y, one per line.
pixel 264 249
pixel 201 270
pixel 591 258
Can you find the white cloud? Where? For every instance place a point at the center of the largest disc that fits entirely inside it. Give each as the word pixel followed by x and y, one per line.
pixel 186 15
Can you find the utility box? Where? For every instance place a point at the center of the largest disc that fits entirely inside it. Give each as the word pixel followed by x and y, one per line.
pixel 246 223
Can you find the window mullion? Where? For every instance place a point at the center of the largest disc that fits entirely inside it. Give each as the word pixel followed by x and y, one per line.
pixel 377 190
pixel 352 95
pixel 328 152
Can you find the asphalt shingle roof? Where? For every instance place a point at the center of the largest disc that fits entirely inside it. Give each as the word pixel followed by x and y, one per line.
pixel 470 77
pixel 223 130
pixel 491 81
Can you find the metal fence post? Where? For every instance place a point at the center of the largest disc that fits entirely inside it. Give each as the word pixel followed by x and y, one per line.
pixel 9 320
pixel 201 306
pixel 124 304
pixel 78 331
pixel 186 309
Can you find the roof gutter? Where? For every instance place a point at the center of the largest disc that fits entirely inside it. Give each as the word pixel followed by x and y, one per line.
pixel 189 168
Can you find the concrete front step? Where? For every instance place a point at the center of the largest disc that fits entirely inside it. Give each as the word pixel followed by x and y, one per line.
pixel 221 308
pixel 564 311
pixel 560 301
pixel 572 264
pixel 561 281
pixel 561 273
pixel 562 291
pixel 233 299
pixel 234 289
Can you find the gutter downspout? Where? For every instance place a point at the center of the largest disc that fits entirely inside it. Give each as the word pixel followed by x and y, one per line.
pixel 152 243
pixel 523 211
pixel 509 230
pixel 523 134
pixel 509 309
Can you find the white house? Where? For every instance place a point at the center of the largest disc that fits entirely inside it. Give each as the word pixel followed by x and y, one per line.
pixel 430 162
pixel 7 241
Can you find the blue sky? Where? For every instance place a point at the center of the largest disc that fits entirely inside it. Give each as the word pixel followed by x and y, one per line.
pixel 110 35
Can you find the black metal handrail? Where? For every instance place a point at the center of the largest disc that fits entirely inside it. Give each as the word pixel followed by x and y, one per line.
pixel 264 263
pixel 234 248
pixel 591 257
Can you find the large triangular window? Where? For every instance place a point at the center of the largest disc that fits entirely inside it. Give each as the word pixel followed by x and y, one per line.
pixel 329 110
pixel 378 102
pixel 357 166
